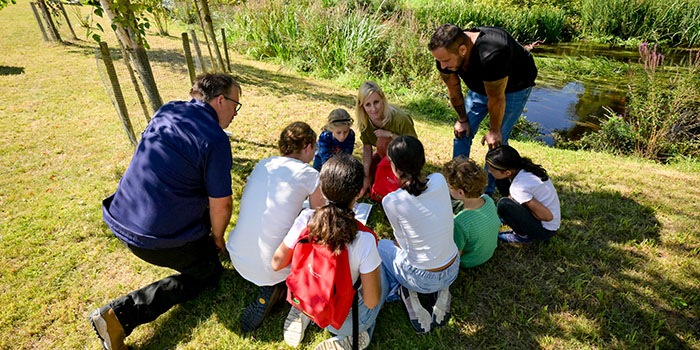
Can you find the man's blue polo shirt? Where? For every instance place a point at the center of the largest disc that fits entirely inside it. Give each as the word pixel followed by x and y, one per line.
pixel 183 158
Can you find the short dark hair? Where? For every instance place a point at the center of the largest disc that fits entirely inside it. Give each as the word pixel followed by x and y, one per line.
pixel 448 36
pixel 209 85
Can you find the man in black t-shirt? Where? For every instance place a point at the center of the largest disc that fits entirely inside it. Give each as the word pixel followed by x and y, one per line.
pixel 499 73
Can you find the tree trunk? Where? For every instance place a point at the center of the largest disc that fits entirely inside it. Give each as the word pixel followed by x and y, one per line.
pixel 210 28
pixel 48 21
pixel 136 53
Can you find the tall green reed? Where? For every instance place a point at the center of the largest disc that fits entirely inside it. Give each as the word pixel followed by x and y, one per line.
pixel 539 22
pixel 674 21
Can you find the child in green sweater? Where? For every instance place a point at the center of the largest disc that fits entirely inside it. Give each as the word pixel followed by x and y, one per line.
pixel 476 226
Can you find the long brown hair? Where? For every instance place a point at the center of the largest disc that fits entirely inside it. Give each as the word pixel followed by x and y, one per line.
pixel 333 225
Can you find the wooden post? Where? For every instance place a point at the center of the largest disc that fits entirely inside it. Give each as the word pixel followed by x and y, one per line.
pixel 38 21
pixel 120 105
pixel 135 82
pixel 63 9
pixel 48 21
pixel 212 34
pixel 195 43
pixel 188 57
pixel 223 39
pixel 204 33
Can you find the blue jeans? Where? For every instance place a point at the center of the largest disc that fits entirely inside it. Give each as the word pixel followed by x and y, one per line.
pixel 400 272
pixel 366 317
pixel 477 106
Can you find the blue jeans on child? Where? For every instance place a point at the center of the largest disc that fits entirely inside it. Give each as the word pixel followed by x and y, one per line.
pixel 477 106
pixel 399 271
pixel 366 317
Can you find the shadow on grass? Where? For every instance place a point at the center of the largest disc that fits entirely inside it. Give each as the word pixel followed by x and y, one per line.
pixel 7 70
pixel 588 285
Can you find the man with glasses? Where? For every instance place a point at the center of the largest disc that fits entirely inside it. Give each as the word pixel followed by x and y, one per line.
pixel 173 204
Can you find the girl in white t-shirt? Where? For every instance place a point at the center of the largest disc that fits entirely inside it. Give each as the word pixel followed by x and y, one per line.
pixel 424 257
pixel 273 197
pixel 531 208
pixel 334 226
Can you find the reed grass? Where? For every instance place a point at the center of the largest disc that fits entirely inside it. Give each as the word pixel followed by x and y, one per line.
pixel 676 22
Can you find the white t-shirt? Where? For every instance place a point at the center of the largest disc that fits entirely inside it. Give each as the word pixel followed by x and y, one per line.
pixel 273 197
pixel 362 252
pixel 526 186
pixel 423 225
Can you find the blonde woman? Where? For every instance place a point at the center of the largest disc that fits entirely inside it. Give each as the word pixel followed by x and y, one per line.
pixel 379 123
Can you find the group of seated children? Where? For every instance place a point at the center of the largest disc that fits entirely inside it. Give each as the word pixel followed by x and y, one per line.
pixel 324 255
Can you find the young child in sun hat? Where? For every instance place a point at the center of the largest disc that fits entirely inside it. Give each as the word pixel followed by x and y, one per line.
pixel 336 137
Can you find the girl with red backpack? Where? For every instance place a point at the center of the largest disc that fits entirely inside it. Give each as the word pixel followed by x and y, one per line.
pixel 324 237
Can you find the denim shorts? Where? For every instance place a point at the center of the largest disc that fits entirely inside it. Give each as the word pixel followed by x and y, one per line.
pixel 399 271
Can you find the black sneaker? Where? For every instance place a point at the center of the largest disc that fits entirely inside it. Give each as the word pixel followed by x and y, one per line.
pixel 268 296
pixel 420 318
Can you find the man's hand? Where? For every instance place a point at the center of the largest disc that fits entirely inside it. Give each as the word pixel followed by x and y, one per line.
pixel 492 138
pixel 219 215
pixel 462 127
pixel 220 243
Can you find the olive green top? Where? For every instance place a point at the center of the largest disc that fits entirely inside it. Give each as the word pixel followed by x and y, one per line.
pixel 400 124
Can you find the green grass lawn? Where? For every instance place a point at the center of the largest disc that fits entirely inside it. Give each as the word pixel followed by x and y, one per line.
pixel 623 271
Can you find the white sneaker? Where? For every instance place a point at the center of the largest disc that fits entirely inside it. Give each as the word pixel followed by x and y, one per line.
pixel 441 309
pixel 420 318
pixel 344 343
pixel 295 326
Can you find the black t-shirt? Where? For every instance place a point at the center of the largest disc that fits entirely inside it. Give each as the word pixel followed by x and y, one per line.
pixel 494 56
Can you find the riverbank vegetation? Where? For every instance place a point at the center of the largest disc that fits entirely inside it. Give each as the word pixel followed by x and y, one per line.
pixel 386 41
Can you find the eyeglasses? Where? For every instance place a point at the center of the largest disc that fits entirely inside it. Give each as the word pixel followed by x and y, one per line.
pixel 238 104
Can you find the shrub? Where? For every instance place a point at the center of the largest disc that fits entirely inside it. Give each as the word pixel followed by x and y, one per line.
pixel 615 135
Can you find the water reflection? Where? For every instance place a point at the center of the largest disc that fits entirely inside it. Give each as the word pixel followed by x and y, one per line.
pixel 570 107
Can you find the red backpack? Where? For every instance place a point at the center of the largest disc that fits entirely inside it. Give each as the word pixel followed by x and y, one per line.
pixel 320 284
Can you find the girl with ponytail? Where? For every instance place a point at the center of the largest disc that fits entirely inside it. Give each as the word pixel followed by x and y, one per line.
pixel 423 258
pixel 335 227
pixel 531 208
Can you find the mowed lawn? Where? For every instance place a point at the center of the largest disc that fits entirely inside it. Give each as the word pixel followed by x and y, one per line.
pixel 623 271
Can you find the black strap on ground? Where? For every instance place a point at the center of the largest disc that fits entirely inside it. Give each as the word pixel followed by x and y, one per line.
pixel 355 326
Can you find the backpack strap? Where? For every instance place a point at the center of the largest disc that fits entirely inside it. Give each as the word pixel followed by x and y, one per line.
pixel 355 326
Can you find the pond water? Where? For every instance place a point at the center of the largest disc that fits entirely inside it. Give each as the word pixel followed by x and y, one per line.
pixel 573 106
